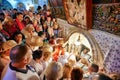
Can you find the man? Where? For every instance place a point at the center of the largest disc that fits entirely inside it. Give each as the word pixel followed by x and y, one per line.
pixel 92 72
pixel 18 21
pixel 18 69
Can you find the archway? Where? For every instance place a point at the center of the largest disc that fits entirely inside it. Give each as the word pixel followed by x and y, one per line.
pixel 89 41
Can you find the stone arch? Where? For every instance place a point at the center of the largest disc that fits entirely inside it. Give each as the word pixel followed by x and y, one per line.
pixel 95 49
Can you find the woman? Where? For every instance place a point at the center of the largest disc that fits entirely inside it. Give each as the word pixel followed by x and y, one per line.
pixel 4 54
pixel 52 72
pixel 3 34
pixel 67 68
pixel 9 26
pixel 29 31
pixel 18 37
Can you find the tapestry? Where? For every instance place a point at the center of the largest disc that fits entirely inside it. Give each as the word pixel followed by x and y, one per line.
pixel 106 17
pixel 75 11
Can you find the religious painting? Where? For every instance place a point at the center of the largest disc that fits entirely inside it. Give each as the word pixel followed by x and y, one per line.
pixel 107 17
pixel 57 8
pixel 76 12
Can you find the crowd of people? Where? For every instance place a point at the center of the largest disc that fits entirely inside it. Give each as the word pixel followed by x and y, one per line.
pixel 31 49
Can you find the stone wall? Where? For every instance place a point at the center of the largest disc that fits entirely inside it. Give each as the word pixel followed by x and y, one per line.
pixel 104 46
pixel 109 45
pixel 68 30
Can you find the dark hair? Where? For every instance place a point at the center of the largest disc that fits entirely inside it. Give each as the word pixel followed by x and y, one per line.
pixel 18 13
pixel 44 5
pixel 17 33
pixel 15 9
pixel 2 16
pixel 37 54
pixel 103 77
pixel 95 67
pixel 39 7
pixel 18 52
pixel 76 74
pixel 40 33
pixel 84 47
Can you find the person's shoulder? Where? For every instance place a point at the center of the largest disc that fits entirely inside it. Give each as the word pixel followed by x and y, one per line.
pixel 31 68
pixel 8 73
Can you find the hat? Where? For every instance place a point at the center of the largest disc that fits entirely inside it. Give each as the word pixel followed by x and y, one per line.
pixel 34 41
pixel 8 45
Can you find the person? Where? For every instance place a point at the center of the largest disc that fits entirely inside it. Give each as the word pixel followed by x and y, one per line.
pixel 63 59
pixel 58 49
pixel 76 73
pixel 52 72
pixel 39 9
pixel 49 24
pixel 29 31
pixel 9 26
pixel 18 68
pixel 18 37
pixel 18 21
pixel 92 71
pixel 102 76
pixel 42 35
pixel 55 27
pixel 2 37
pixel 67 68
pixel 6 47
pixel 37 61
pixel 52 41
pixel 27 20
pixel 84 53
pixel 34 42
pixel 44 9
pixel 14 11
pixel 2 16
pixel 47 53
pixel 4 53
